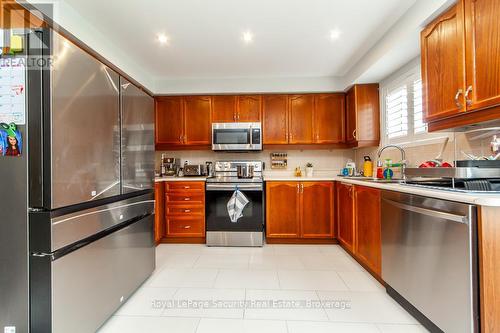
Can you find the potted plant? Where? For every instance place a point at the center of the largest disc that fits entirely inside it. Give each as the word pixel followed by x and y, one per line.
pixel 309 169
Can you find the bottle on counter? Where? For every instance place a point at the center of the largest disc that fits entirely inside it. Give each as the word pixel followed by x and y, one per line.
pixel 367 167
pixel 380 170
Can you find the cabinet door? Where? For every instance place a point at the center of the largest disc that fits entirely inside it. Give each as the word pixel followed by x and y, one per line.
pixel 482 26
pixel 367 107
pixel 275 119
pixel 197 123
pixel 301 119
pixel 329 118
pixel 249 108
pixel 159 211
pixel 345 215
pixel 317 209
pixel 169 120
pixel 443 62
pixel 282 209
pixel 351 115
pixel 368 234
pixel 223 109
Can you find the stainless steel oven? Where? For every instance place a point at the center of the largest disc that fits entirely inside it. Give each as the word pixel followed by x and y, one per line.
pixel 237 136
pixel 223 229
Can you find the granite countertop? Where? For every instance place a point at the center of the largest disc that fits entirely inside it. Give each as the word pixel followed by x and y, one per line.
pixel 480 199
pixel 181 179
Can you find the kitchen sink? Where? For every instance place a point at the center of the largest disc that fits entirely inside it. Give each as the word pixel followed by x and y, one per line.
pixel 386 181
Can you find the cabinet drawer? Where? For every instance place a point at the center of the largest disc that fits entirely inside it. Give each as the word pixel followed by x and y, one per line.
pixel 185 186
pixel 185 227
pixel 185 210
pixel 184 198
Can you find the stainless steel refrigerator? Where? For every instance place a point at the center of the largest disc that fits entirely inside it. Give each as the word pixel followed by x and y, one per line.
pixel 81 212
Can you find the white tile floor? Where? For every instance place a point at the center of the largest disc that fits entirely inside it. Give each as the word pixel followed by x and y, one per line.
pixel 275 289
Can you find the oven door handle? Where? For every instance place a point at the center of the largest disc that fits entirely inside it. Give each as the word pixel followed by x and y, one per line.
pixel 234 187
pixel 430 212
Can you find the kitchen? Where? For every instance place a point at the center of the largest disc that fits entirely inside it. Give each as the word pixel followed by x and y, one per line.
pixel 277 166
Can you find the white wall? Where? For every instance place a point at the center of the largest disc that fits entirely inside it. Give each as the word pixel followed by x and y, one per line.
pixel 72 21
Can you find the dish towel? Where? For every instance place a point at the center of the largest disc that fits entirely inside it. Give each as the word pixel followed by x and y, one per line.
pixel 236 204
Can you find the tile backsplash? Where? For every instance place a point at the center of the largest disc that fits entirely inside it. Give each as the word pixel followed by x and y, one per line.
pixel 476 143
pixel 323 160
pixel 332 161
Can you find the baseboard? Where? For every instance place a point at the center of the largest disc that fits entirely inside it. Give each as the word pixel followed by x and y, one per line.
pixel 183 240
pixel 301 241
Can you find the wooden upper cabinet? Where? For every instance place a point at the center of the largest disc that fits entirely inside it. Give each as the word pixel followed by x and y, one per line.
pixel 275 119
pixel 169 120
pixel 329 114
pixel 482 31
pixel 368 227
pixel 249 108
pixel 197 120
pixel 345 215
pixel 350 116
pixel 224 109
pixel 301 119
pixel 317 209
pixel 363 115
pixel 282 209
pixel 443 72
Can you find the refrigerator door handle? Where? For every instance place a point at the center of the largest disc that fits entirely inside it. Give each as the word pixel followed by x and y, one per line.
pixel 43 255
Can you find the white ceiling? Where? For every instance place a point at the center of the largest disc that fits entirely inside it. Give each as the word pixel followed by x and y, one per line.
pixel 291 37
pixel 292 49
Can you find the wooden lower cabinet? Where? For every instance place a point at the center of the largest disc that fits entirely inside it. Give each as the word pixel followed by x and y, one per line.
pixel 359 225
pixel 282 210
pixel 345 215
pixel 159 211
pixel 368 243
pixel 317 209
pixel 299 210
pixel 184 212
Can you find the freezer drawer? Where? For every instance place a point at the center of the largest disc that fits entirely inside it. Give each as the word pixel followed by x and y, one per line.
pixel 68 229
pixel 137 114
pixel 87 285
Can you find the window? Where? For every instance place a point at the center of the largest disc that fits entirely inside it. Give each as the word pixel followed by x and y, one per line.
pixel 402 109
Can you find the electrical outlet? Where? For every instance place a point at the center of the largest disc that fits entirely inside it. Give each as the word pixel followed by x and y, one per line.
pixel 9 329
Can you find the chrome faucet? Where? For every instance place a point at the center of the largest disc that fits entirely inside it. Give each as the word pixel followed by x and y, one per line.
pixel 403 157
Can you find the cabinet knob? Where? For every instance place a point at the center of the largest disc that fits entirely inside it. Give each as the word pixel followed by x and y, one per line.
pixel 187 210
pixel 354 134
pixel 187 227
pixel 187 199
pixel 186 186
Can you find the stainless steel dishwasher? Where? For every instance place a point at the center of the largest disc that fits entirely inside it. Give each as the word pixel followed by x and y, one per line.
pixel 429 260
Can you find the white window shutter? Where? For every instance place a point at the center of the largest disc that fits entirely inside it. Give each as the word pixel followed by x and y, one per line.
pixel 418 122
pixel 397 112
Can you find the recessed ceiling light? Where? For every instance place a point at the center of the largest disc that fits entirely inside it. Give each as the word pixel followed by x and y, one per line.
pixel 335 34
pixel 162 38
pixel 247 37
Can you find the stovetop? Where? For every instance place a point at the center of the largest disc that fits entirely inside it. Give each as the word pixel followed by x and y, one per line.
pixel 234 179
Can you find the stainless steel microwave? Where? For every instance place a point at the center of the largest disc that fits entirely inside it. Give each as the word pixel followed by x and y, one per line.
pixel 236 136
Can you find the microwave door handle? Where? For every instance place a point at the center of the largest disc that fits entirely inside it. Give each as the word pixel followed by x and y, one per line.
pixel 251 136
